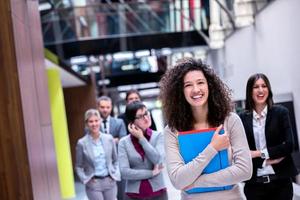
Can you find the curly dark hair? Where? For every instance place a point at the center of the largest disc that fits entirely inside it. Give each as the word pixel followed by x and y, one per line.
pixel 177 111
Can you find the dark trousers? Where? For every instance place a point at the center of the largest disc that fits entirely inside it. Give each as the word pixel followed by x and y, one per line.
pixel 121 189
pixel 281 189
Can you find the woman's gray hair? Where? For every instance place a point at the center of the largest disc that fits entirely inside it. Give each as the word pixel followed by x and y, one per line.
pixel 91 112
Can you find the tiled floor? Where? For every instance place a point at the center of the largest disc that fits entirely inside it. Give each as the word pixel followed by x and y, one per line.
pixel 172 192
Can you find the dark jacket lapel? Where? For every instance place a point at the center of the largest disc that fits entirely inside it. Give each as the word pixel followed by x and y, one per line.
pixel 268 124
pixel 249 124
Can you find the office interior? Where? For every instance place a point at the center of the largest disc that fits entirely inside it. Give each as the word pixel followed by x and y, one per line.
pixel 58 56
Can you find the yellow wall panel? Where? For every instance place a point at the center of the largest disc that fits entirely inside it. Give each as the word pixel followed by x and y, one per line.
pixel 61 136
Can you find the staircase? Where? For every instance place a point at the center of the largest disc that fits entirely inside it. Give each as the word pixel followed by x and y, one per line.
pixel 102 29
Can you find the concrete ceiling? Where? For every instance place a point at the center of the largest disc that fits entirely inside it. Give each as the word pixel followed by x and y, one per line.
pixel 67 79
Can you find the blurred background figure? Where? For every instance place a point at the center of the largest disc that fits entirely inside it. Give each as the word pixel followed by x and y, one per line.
pixel 110 125
pixel 96 160
pixel 269 133
pixel 131 96
pixel 141 156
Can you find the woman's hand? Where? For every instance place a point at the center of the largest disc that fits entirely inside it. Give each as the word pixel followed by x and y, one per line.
pixel 91 181
pixel 135 131
pixel 157 169
pixel 220 142
pixel 274 161
pixel 255 154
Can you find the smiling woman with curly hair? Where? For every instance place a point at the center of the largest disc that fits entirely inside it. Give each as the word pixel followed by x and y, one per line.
pixel 178 110
pixel 194 98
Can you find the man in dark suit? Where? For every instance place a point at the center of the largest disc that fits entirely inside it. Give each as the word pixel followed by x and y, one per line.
pixel 110 125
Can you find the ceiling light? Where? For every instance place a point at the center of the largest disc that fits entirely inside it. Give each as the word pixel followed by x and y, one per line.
pixel 44 6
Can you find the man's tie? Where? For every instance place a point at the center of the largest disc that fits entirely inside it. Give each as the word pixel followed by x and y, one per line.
pixel 104 126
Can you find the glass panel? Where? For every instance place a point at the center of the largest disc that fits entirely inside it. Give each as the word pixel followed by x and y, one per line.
pixel 69 22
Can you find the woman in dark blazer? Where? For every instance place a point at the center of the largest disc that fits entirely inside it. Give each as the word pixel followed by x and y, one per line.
pixel 96 160
pixel 270 139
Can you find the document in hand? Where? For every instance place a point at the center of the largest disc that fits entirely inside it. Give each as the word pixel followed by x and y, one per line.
pixel 191 143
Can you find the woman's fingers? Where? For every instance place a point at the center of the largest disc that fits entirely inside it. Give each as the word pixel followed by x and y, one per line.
pixel 220 142
pixel 219 129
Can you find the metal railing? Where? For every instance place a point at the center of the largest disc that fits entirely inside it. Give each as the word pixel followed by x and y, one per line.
pixel 103 20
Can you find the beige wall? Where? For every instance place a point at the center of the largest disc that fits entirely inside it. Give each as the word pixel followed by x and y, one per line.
pixel 269 46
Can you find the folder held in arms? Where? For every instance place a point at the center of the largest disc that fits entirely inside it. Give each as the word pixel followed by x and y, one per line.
pixel 191 143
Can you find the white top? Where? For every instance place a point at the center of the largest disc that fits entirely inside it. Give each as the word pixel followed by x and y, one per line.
pixel 259 124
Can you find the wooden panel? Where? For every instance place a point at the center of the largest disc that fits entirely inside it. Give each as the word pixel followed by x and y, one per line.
pixel 33 133
pixel 15 182
pixel 50 159
pixel 77 101
pixel 19 11
pixel 30 109
pixel 28 165
pixel 38 58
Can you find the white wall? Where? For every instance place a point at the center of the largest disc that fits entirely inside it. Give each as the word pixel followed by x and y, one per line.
pixel 270 46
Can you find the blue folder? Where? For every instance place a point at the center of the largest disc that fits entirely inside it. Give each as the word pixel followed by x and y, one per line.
pixel 191 143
